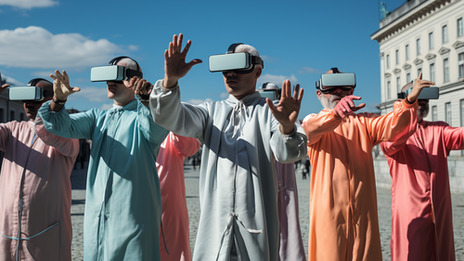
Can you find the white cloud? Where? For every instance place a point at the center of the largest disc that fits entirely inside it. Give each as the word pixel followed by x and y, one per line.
pixel 35 47
pixel 308 70
pixel 199 101
pixel 12 81
pixel 133 47
pixel 277 79
pixel 28 4
pixel 92 94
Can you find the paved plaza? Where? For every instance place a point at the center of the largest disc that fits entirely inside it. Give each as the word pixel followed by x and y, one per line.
pixel 191 183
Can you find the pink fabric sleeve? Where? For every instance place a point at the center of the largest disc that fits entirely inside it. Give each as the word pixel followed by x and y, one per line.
pixel 67 147
pixel 4 135
pixel 454 138
pixel 317 125
pixel 186 146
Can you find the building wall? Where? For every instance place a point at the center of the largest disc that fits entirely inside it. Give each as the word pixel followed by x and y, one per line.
pixel 417 19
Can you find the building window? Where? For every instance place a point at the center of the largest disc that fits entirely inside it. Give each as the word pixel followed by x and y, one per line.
pixel 12 115
pixel 398 84
pixel 462 112
pixel 434 113
pixel 408 77
pixel 448 113
pixel 444 34
pixel 406 51
pixel 432 72
pixel 430 40
pixel 418 46
pixel 21 116
pixel 388 90
pixel 2 117
pixel 446 76
pixel 397 56
pixel 388 61
pixel 419 70
pixel 461 65
pixel 460 27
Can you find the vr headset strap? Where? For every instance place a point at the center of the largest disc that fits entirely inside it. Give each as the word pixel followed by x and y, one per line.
pixel 232 47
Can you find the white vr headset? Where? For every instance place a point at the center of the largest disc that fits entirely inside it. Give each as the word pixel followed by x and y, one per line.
pixel 231 61
pixel 113 72
pixel 30 92
pixel 426 93
pixel 336 79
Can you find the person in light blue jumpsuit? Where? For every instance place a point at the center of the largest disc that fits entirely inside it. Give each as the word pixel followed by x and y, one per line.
pixel 123 202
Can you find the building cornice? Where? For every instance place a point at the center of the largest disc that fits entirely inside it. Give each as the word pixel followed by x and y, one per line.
pixel 421 10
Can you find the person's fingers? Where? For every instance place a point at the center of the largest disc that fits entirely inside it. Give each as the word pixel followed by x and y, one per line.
pixel 187 47
pixel 296 92
pixel 300 96
pixel 53 77
pixel 360 106
pixel 271 105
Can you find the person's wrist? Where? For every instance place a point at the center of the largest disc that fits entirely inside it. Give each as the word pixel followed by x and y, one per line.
pixel 168 83
pixel 59 101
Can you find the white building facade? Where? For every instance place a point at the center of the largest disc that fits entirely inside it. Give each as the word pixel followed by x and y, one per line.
pixel 425 36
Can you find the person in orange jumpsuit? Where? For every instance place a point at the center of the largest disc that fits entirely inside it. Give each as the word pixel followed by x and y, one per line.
pixel 422 218
pixel 175 237
pixel 343 203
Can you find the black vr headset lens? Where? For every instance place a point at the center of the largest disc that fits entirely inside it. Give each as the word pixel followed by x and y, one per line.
pixel 113 73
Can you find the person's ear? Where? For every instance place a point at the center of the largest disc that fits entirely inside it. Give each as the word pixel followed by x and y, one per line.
pixel 318 93
pixel 259 70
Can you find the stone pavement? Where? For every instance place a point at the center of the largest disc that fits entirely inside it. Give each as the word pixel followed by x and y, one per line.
pixel 191 183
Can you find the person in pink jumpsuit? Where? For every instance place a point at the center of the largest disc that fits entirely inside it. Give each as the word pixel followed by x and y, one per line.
pixel 422 220
pixel 35 188
pixel 175 246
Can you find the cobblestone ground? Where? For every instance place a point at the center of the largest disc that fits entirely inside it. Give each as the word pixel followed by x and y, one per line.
pixel 191 183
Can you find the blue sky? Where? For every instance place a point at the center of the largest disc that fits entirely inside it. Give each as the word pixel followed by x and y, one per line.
pixel 298 40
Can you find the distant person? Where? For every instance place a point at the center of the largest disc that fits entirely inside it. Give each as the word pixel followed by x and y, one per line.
pixel 123 200
pixel 343 201
pixel 35 187
pixel 422 218
pixel 291 246
pixel 307 166
pixel 175 234
pixel 241 136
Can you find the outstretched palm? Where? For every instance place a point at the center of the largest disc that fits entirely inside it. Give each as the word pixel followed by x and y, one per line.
pixel 286 111
pixel 175 66
pixel 61 86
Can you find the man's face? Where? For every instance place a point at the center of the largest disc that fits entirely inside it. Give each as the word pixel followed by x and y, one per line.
pixel 422 110
pixel 118 91
pixel 330 99
pixel 241 84
pixel 32 107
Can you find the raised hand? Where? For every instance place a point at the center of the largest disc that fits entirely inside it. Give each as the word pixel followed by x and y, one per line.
pixel 286 111
pixel 346 106
pixel 175 66
pixel 417 88
pixel 61 86
pixel 139 86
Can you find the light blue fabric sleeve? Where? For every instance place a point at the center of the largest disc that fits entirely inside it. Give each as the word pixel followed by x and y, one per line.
pixel 153 132
pixel 288 148
pixel 181 118
pixel 61 123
